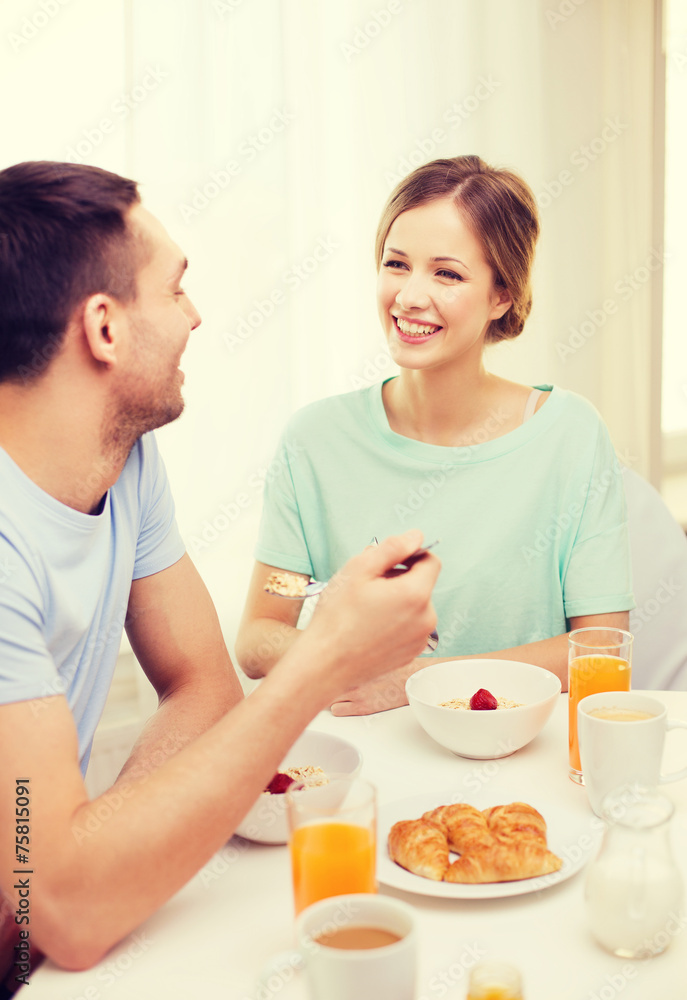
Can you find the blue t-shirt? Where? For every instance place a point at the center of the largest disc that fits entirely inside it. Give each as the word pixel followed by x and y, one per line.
pixel 532 525
pixel 65 578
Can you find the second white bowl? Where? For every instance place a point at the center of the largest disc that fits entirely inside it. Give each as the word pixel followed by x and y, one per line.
pixel 483 735
pixel 266 822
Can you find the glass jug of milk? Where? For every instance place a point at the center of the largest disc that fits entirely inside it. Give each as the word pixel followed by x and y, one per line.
pixel 634 888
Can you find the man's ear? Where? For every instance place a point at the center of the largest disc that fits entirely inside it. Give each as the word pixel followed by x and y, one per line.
pixel 103 326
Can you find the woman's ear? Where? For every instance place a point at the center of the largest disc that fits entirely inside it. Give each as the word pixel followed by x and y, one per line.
pixel 102 319
pixel 502 303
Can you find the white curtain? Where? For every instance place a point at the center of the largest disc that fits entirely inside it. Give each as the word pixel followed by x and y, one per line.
pixel 267 136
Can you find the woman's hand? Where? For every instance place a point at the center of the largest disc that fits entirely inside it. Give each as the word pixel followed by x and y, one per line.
pixel 378 695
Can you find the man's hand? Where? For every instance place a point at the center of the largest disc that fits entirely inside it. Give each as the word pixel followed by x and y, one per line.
pixel 366 624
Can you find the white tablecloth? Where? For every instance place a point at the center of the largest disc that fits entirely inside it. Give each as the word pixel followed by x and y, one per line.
pixel 210 941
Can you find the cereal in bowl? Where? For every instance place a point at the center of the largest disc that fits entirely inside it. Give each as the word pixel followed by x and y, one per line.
pixel 481 701
pixel 309 775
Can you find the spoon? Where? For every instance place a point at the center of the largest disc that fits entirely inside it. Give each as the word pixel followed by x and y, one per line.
pixel 433 637
pixel 316 587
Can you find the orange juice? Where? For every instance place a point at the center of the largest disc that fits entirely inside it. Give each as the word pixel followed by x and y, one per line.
pixel 495 993
pixel 592 674
pixel 329 859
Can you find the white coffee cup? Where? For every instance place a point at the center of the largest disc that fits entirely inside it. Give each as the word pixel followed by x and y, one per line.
pixel 353 974
pixel 614 752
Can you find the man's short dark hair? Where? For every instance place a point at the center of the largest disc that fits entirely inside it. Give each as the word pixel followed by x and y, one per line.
pixel 63 237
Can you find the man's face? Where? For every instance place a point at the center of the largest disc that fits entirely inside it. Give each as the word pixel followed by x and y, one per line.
pixel 148 393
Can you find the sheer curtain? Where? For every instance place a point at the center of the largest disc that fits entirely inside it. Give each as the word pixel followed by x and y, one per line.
pixel 267 136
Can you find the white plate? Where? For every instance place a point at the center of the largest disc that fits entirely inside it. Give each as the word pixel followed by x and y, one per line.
pixel 572 836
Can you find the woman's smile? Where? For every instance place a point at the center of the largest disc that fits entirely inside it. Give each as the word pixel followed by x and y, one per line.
pixel 415 331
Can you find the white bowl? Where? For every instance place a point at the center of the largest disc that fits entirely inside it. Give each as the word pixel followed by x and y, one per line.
pixel 483 735
pixel 266 822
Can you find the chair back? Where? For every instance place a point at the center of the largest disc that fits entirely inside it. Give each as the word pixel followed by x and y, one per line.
pixel 658 548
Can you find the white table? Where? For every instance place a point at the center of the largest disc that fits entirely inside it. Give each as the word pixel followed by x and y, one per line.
pixel 212 938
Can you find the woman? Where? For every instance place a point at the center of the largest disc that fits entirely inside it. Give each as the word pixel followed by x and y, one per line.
pixel 521 486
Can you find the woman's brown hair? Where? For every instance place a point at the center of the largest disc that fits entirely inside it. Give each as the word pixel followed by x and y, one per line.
pixel 501 211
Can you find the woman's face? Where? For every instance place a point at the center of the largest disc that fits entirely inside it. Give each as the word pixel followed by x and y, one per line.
pixel 435 292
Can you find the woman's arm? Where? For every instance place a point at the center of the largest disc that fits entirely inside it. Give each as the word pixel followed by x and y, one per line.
pixel 552 654
pixel 268 626
pixel 388 691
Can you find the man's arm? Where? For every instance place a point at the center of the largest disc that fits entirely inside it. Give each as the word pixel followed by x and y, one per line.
pixel 175 634
pixel 388 691
pixel 268 625
pixel 102 867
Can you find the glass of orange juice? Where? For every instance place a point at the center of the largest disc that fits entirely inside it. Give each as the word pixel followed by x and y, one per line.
pixel 599 659
pixel 332 839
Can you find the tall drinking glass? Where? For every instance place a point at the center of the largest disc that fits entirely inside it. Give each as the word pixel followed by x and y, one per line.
pixel 332 839
pixel 599 659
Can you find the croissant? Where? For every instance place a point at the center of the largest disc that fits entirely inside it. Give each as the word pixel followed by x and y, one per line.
pixel 420 847
pixel 516 820
pixel 500 844
pixel 504 863
pixel 465 827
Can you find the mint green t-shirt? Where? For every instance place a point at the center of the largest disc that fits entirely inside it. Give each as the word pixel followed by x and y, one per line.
pixel 532 526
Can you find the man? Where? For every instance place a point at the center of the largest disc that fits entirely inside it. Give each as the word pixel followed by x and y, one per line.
pixel 93 323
